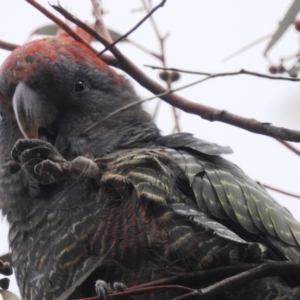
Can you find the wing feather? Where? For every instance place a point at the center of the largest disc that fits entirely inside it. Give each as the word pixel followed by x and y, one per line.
pixel 222 190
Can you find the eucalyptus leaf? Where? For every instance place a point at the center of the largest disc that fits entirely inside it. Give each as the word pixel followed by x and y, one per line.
pixel 50 29
pixel 116 35
pixel 6 257
pixel 287 20
pixel 7 295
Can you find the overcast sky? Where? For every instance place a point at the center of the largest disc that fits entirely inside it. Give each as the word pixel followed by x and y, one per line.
pixel 202 33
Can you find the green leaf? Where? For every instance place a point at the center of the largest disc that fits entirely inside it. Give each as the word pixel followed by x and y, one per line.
pixel 7 295
pixel 115 35
pixel 287 20
pixel 50 29
pixel 6 257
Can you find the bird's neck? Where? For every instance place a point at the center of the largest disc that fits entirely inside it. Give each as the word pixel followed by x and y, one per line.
pixel 98 144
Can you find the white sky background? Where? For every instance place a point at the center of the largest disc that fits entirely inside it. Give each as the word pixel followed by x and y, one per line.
pixel 203 32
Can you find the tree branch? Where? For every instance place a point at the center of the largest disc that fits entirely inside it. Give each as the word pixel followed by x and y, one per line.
pixel 264 270
pixel 173 281
pixel 280 191
pixel 214 75
pixel 124 36
pixel 289 146
pixel 107 58
pixel 205 112
pixel 135 291
pixel 234 276
pixel 201 276
pixel 8 46
pixel 162 58
pixel 100 26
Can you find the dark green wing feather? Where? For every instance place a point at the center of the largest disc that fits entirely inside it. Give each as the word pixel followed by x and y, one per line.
pixel 223 191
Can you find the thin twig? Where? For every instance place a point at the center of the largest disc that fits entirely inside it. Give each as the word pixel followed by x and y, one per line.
pixel 135 291
pixel 201 276
pixel 155 27
pixel 162 41
pixel 97 13
pixel 214 75
pixel 60 23
pixel 201 110
pixel 8 46
pixel 156 109
pixel 144 49
pixel 172 282
pixel 243 49
pixel 122 109
pixel 124 36
pixel 264 270
pixel 82 25
pixel 289 146
pixel 280 191
pixel 107 58
pixel 212 114
pixel 100 26
pixel 227 284
pixel 142 101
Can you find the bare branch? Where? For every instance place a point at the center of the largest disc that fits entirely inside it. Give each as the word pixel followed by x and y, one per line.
pixel 162 41
pixel 212 114
pixel 108 59
pixel 243 275
pixel 245 48
pixel 165 283
pixel 201 110
pixel 201 276
pixel 161 4
pixel 59 22
pixel 82 25
pixel 100 26
pixel 280 191
pixel 155 27
pixel 135 291
pixel 8 46
pixel 214 75
pixel 264 270
pixel 142 101
pixel 150 289
pixel 289 146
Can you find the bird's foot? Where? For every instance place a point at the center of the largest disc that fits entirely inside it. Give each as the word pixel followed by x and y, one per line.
pixel 42 161
pixel 39 159
pixel 103 288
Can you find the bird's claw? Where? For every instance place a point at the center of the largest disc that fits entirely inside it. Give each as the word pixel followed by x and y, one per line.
pixel 25 149
pixel 119 286
pixel 45 165
pixel 39 159
pixel 103 288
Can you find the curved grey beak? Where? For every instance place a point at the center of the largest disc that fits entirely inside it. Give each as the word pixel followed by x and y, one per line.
pixel 32 111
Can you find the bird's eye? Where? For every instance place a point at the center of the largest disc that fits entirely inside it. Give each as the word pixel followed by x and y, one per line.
pixel 80 86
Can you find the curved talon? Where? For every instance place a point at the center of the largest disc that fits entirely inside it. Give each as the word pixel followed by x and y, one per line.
pixel 119 286
pixel 102 289
pixel 15 154
pixel 37 152
pixel 24 144
pixel 33 162
pixel 40 159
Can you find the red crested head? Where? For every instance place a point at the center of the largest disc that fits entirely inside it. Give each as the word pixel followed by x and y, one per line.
pixel 60 86
pixel 44 61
